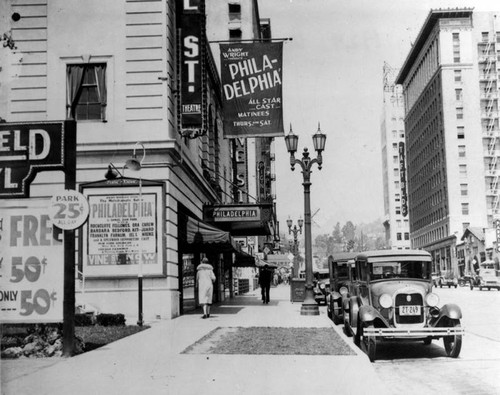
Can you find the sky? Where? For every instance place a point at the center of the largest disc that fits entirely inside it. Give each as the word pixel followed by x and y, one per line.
pixel 333 74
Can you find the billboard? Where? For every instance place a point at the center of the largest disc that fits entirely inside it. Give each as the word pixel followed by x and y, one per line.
pixel 29 147
pixel 251 75
pixel 123 236
pixel 31 263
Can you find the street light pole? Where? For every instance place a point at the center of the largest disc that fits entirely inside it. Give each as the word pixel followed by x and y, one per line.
pixel 295 232
pixel 309 306
pixel 136 165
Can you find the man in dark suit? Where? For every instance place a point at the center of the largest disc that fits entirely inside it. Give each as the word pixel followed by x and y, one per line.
pixel 265 277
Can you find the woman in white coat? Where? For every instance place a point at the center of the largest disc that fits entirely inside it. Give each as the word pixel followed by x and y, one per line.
pixel 205 278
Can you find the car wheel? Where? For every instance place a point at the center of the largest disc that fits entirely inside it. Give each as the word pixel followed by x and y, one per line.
pixel 440 284
pixel 489 289
pixel 453 344
pixel 368 343
pixel 427 341
pixel 480 288
pixel 471 286
pixel 455 285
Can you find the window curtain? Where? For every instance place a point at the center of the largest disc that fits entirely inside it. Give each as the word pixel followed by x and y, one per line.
pixel 73 85
pixel 100 77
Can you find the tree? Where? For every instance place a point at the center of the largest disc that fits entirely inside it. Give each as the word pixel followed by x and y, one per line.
pixel 349 231
pixel 337 234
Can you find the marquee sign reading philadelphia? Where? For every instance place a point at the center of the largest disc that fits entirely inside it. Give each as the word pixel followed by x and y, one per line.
pixel 225 214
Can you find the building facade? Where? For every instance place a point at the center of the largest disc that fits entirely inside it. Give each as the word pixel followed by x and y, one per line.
pixel 396 222
pixel 122 71
pixel 450 85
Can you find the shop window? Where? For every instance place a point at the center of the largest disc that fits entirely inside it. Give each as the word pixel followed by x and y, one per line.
pixel 86 92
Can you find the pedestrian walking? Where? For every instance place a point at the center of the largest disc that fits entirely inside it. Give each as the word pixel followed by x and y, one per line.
pixel 205 278
pixel 265 283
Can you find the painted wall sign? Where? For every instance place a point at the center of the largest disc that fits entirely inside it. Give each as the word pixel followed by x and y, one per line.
pixel 192 65
pixel 124 231
pixel 31 263
pixel 27 148
pixel 252 89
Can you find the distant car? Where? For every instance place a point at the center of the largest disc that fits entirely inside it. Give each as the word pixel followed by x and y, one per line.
pixel 392 299
pixel 321 285
pixel 486 278
pixel 448 279
pixel 339 265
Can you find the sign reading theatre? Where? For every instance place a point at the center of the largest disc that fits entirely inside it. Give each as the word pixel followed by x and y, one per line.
pixel 252 85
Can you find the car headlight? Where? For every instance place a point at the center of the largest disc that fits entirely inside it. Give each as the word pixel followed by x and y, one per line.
pixel 431 299
pixel 343 291
pixel 385 301
pixel 321 286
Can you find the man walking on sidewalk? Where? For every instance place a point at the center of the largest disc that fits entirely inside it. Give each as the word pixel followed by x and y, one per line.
pixel 265 283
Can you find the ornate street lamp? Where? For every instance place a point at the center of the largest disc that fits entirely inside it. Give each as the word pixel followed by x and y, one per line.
pixel 309 306
pixel 295 232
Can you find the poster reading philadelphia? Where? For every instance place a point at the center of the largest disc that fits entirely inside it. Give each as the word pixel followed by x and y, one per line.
pixel 252 89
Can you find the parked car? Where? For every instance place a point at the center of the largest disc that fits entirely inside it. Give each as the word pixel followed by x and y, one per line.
pixel 435 278
pixel 339 266
pixel 392 299
pixel 321 285
pixel 487 278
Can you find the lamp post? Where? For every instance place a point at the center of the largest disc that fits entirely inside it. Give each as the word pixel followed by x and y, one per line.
pixel 295 232
pixel 309 306
pixel 135 165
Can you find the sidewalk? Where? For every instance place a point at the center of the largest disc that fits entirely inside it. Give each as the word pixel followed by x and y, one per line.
pixel 151 361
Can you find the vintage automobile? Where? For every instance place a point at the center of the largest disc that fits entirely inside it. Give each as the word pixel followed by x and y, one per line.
pixel 486 278
pixel 321 285
pixel 447 278
pixel 392 299
pixel 339 266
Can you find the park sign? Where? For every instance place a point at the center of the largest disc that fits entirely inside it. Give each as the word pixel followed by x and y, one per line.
pixel 29 147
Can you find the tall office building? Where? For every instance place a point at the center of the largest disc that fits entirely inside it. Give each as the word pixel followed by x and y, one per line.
pixel 396 221
pixel 450 88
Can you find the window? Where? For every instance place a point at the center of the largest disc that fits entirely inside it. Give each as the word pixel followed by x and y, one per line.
pixel 458 75
pixel 395 160
pixel 86 92
pixel 460 113
pixel 402 134
pixel 395 146
pixel 484 37
pixel 407 236
pixel 396 184
pixel 398 210
pixel 460 132
pixel 234 12
pixel 235 34
pixel 396 172
pixel 398 236
pixel 456 47
pixel 458 94
pixel 464 189
pixel 465 225
pixel 465 208
pixel 461 151
pixel 462 170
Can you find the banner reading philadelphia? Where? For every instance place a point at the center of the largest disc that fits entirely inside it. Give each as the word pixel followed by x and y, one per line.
pixel 252 86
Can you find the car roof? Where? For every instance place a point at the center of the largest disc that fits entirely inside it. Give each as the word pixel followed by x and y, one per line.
pixel 400 254
pixel 342 256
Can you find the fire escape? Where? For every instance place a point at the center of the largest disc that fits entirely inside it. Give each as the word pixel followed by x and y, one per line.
pixel 489 119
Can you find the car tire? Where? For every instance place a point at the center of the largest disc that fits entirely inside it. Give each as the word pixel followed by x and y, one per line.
pixel 368 343
pixel 455 285
pixel 480 288
pixel 453 344
pixel 471 286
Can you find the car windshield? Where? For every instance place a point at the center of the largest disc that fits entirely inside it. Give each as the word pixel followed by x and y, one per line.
pixel 406 269
pixel 343 270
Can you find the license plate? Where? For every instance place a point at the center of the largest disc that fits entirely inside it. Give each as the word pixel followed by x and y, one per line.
pixel 409 310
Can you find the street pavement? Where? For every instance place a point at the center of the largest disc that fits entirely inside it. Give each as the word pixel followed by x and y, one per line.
pixel 152 361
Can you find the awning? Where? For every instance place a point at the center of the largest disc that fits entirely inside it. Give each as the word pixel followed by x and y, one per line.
pixel 242 259
pixel 202 237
